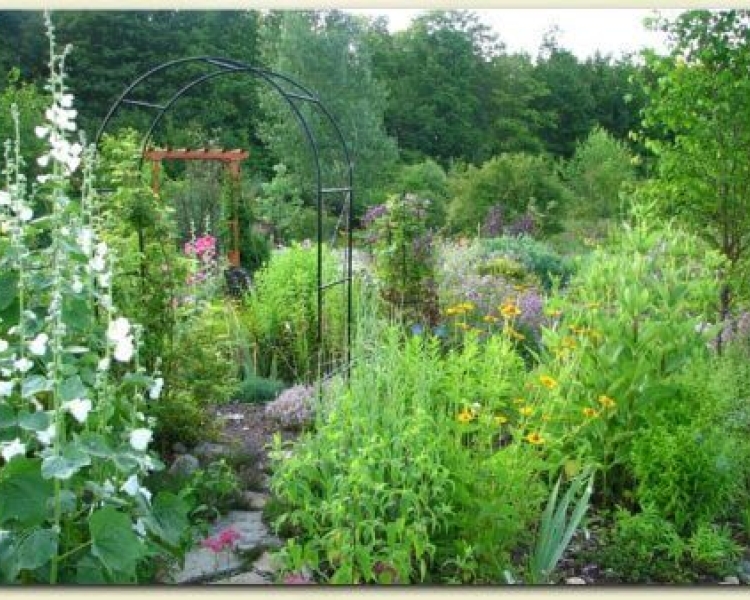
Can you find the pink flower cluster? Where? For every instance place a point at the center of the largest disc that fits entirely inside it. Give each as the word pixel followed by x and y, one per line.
pixel 224 539
pixel 298 579
pixel 203 247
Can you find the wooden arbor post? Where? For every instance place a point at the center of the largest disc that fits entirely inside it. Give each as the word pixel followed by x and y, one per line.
pixel 231 160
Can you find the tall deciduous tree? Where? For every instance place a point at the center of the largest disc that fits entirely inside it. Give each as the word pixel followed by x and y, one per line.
pixel 437 73
pixel 326 52
pixel 698 124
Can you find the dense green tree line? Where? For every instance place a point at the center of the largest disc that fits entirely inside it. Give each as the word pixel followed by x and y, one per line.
pixel 448 88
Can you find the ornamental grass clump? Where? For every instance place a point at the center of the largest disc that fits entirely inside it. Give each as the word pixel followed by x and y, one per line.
pixel 73 437
pixel 293 408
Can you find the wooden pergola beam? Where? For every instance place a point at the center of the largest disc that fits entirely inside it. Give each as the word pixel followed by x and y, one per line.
pixel 230 158
pixel 197 154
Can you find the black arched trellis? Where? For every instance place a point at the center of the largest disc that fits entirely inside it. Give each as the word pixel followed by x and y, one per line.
pixel 293 93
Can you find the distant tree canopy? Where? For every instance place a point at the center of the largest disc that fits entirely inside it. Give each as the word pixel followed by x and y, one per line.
pixel 443 90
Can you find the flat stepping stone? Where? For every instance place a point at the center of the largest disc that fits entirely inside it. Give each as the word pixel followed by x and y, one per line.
pixel 202 563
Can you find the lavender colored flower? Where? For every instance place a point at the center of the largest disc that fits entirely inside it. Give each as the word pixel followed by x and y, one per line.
pixel 373 213
pixel 493 222
pixel 523 226
pixel 292 409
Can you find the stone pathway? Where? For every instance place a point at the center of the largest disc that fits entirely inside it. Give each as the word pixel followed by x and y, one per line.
pixel 203 565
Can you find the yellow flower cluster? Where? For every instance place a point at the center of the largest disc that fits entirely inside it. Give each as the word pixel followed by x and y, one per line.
pixel 509 310
pixel 460 309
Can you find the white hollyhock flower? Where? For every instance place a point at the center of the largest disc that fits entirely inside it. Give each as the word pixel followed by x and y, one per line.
pixel 118 330
pixel 104 279
pixel 6 388
pixel 124 350
pixel 4 198
pixel 25 213
pixel 66 100
pixel 155 390
pixel 131 486
pixel 43 160
pixel 38 346
pixel 79 408
pixel 140 439
pixel 3 345
pixel 140 528
pixel 41 132
pixel 101 249
pixel 85 239
pixel 11 449
pixel 103 364
pixel 77 286
pixel 23 364
pixel 97 263
pixel 46 436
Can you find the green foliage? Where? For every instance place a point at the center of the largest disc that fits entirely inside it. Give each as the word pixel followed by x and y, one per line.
pixel 557 528
pixel 31 104
pixel 520 183
pixel 598 172
pixel 713 551
pixel 686 475
pixel 645 548
pixel 255 389
pixel 150 279
pixel 181 417
pixel 534 255
pixel 696 123
pixel 399 473
pixel 280 203
pixel 626 335
pixel 426 180
pixel 280 315
pixel 206 363
pixel 211 491
pixel 404 256
pixel 325 51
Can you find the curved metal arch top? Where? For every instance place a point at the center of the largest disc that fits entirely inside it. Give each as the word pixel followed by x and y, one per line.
pixel 293 93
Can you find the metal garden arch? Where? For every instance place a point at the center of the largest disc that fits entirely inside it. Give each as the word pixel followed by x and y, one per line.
pixel 295 94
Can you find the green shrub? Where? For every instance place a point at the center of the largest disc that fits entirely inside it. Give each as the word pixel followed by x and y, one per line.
pixel 402 471
pixel 645 548
pixel 520 183
pixel 180 418
pixel 713 551
pixel 600 168
pixel 254 389
pixel 206 356
pixel 534 255
pixel 687 475
pixel 426 180
pixel 280 315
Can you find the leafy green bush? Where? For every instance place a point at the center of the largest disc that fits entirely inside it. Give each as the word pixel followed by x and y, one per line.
pixel 645 548
pixel 624 337
pixel 713 551
pixel 598 171
pixel 402 471
pixel 280 315
pixel 181 417
pixel 520 183
pixel 687 475
pixel 254 389
pixel 404 256
pixel 535 255
pixel 426 180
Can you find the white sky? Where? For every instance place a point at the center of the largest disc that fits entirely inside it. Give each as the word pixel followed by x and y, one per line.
pixel 582 30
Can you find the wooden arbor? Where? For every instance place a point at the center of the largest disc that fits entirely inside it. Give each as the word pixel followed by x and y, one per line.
pixel 231 160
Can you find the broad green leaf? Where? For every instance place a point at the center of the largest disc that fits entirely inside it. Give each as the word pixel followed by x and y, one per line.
pixel 72 460
pixel 35 384
pixel 89 571
pixel 8 288
pixel 38 421
pixel 23 493
pixel 76 313
pixel 37 549
pixel 7 416
pixel 8 558
pixel 95 445
pixel 168 519
pixel 114 542
pixel 72 388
